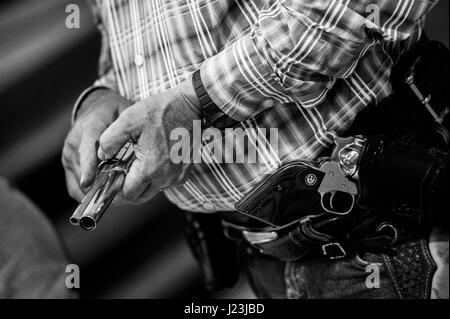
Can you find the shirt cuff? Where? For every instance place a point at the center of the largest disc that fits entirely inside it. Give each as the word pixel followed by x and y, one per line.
pixel 241 82
pixel 83 97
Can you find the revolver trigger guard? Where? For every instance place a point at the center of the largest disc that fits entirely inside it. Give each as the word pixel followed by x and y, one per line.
pixel 322 203
pixel 332 211
pixel 331 199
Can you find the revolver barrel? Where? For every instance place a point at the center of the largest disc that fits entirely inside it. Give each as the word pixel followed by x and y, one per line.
pixel 108 182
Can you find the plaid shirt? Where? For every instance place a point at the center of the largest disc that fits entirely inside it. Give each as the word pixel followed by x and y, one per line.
pixel 305 67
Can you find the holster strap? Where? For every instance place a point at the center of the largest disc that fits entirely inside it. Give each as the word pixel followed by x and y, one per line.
pixel 302 239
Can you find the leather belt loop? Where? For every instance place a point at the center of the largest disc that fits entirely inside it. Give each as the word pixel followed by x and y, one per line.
pixel 334 251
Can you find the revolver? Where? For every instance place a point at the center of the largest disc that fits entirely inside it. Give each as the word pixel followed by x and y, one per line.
pixel 329 181
pixel 108 182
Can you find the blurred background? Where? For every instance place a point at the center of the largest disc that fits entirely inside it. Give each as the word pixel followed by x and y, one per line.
pixel 136 252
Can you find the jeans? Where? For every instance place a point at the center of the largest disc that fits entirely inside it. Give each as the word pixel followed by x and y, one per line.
pixel 361 276
pixel 32 261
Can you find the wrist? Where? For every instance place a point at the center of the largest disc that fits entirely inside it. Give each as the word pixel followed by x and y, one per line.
pixel 188 91
pixel 91 99
pixel 211 114
pixel 86 99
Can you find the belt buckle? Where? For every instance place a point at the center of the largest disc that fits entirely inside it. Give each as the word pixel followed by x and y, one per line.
pixel 332 251
pixel 255 238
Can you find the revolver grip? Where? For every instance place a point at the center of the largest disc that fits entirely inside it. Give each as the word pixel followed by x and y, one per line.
pixel 292 177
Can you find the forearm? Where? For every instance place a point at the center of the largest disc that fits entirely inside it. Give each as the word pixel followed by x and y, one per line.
pixel 297 50
pixel 106 83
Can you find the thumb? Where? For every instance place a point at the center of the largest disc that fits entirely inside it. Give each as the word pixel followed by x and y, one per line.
pixel 124 128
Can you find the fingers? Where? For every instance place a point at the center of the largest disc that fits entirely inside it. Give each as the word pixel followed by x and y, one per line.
pixel 88 160
pixel 79 159
pixel 150 192
pixel 72 171
pixel 125 128
pixel 138 186
pixel 73 187
pixel 136 182
pixel 70 160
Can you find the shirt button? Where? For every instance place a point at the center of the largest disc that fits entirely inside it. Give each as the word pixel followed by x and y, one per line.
pixel 138 60
pixel 268 103
pixel 208 206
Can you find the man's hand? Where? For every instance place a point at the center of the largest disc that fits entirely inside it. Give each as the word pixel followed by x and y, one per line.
pixel 148 124
pixel 79 155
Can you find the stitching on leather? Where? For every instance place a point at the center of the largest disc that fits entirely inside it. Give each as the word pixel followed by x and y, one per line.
pixel 430 270
pixel 389 267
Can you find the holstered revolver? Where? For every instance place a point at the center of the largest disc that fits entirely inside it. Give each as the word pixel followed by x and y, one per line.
pixel 311 187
